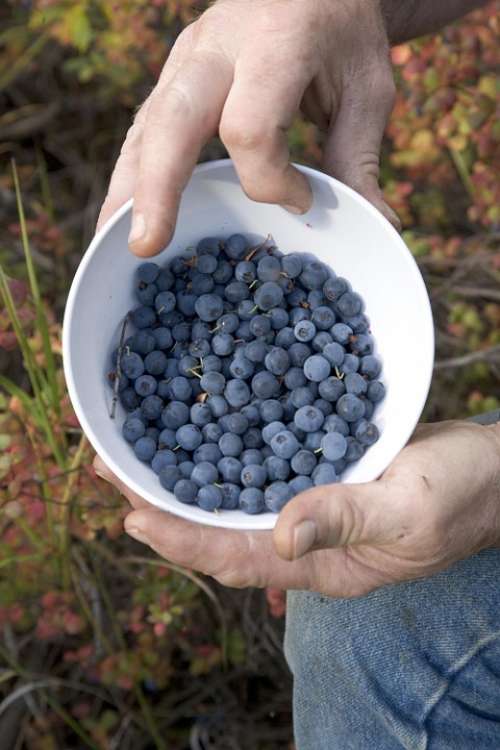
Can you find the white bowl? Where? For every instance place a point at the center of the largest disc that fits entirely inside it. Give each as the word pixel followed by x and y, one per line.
pixel 342 229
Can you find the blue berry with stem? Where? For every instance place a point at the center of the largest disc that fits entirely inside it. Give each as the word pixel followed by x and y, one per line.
pixel 334 446
pixel 304 462
pixel 204 473
pixel 268 295
pixel 331 389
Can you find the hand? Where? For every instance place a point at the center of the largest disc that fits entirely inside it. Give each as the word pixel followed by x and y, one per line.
pixel 244 69
pixel 439 502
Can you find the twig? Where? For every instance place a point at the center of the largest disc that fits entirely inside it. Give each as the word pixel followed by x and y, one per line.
pixel 118 376
pixel 486 355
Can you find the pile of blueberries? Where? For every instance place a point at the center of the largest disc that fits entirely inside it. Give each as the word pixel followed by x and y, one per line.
pixel 249 377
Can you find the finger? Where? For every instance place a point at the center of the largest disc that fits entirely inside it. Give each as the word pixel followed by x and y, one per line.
pixel 352 151
pixel 183 115
pixel 235 558
pixel 263 101
pixel 335 516
pixel 104 472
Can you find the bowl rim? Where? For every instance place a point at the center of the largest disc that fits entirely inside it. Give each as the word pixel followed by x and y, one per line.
pixel 184 511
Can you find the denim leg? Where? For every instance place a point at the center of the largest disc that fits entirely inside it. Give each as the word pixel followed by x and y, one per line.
pixel 413 665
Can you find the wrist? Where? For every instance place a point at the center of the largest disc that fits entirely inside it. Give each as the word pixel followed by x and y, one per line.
pixel 492 432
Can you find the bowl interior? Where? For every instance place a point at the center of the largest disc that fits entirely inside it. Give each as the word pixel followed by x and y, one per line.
pixel 342 230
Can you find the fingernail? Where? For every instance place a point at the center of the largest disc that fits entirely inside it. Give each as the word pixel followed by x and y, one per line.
pixel 101 475
pixel 304 537
pixel 293 209
pixel 136 533
pixel 138 228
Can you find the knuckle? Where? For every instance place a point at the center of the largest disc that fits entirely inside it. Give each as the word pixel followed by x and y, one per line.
pixel 240 135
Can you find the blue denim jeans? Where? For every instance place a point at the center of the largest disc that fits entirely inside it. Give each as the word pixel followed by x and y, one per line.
pixel 414 665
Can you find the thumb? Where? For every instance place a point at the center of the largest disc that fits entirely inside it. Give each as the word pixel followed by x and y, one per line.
pixel 334 515
pixel 352 150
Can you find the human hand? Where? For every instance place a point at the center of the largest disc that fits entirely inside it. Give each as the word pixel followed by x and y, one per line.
pixel 437 503
pixel 244 69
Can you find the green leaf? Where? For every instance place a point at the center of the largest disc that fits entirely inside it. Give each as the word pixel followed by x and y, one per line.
pixel 79 27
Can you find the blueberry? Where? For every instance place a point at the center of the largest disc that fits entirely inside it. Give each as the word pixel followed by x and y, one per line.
pixel 165 280
pixel 279 318
pixel 354 450
pixel 278 469
pixel 251 456
pixel 356 384
pixel 268 295
pixel 334 423
pixel 155 362
pixel 145 385
pixel 284 444
pixel 230 495
pixel 165 302
pixel 171 370
pixel 252 413
pixel 145 448
pixel 175 414
pixel 324 406
pixel 162 459
pixel 208 452
pixel 260 325
pixel 133 429
pixel 186 302
pixel 256 351
pixel 186 468
pixel 217 405
pixel 206 264
pixel 285 337
pixel 223 273
pixel 295 378
pixel 236 247
pixel 245 271
pixel 181 331
pixel 236 292
pixel 265 385
pixel 230 444
pixel 208 246
pixel 334 288
pixel 349 304
pixel 146 293
pixel 292 265
pixel 309 418
pixel 305 331
pixel 142 342
pixel 251 500
pixel 152 407
pixel 350 364
pixel 359 323
pixel 189 437
pixel 299 315
pixel 180 389
pixel 201 284
pixel 302 396
pixel 269 269
pixel 334 446
pixel 166 438
pixel 321 340
pixel 211 363
pixel 361 344
pixel 147 272
pixel 200 414
pixel 317 368
pixel 253 438
pixel 162 338
pixel 237 393
pixel 376 391
pixel 323 318
pixel 222 344
pixel 366 433
pixel 272 429
pixel 304 462
pixel 204 473
pixel 243 331
pixel 277 361
pixel 350 407
pixel 230 469
pixel 313 440
pixel 209 498
pixel 334 353
pixel 370 366
pixel 277 495
pixel 209 307
pixel 300 484
pixel 314 275
pixel 271 410
pixel 324 474
pixel 296 297
pixel 186 491
pixel 212 432
pixel 298 354
pixel 132 365
pixel 253 475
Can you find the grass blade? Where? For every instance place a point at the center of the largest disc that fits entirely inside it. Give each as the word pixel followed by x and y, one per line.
pixel 41 318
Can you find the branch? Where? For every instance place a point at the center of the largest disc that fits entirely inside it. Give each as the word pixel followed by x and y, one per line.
pixel 486 355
